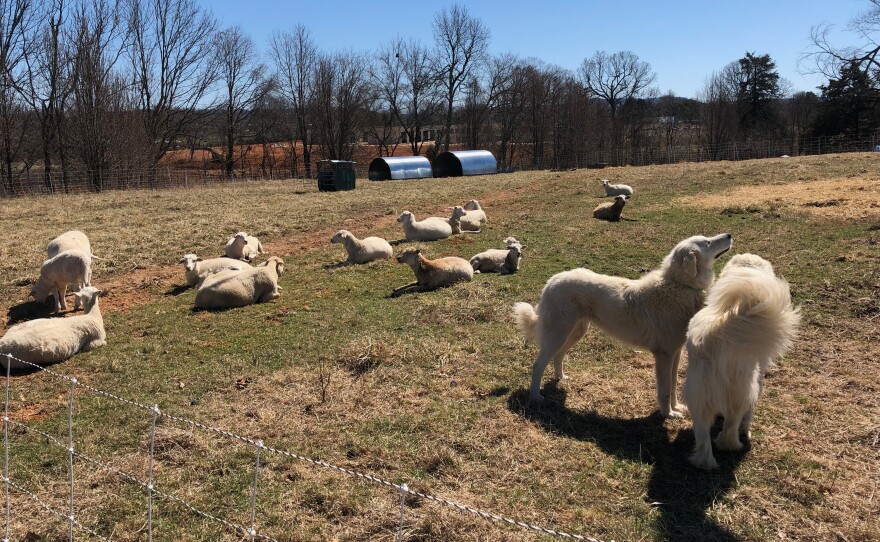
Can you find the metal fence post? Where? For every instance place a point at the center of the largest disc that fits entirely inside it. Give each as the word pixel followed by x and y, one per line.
pixel 253 531
pixel 70 517
pixel 6 445
pixel 404 489
pixel 150 475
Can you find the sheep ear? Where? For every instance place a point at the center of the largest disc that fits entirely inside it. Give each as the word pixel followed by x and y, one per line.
pixel 182 260
pixel 198 259
pixel 689 263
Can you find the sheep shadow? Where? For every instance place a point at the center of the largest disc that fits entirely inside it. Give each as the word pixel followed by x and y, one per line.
pixel 177 290
pixel 682 493
pixel 29 310
pixel 338 265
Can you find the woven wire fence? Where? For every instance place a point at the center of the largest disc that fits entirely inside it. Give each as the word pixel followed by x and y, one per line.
pixel 146 482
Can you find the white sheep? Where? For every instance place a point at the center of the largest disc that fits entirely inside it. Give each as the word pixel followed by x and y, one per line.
pixel 197 269
pixel 432 274
pixel 232 288
pixel 456 221
pixel 51 340
pixel 362 250
pixel 504 261
pixel 476 216
pixel 71 240
pixel 71 267
pixel 616 189
pixel 610 211
pixel 243 247
pixel 430 229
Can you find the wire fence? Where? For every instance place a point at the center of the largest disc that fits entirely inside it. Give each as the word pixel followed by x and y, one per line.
pixel 147 482
pixel 519 157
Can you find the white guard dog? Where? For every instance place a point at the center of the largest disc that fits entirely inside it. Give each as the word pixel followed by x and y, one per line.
pixel 652 312
pixel 748 323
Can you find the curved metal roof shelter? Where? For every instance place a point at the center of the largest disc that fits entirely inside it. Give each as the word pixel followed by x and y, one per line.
pixel 399 167
pixel 460 163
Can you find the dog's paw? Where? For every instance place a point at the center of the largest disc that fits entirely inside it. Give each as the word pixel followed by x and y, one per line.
pixel 536 398
pixel 672 415
pixel 681 409
pixel 703 462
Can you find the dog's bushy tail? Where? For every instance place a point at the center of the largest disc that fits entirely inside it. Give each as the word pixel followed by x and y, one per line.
pixel 526 319
pixel 753 310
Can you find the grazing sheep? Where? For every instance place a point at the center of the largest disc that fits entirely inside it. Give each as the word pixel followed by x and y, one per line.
pixel 197 269
pixel 430 229
pixel 50 340
pixel 243 247
pixel 502 261
pixel 433 274
pixel 232 288
pixel 362 250
pixel 456 221
pixel 610 211
pixel 616 189
pixel 71 267
pixel 71 240
pixel 475 217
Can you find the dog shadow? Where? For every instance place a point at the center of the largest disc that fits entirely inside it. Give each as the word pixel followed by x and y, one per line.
pixel 682 493
pixel 29 310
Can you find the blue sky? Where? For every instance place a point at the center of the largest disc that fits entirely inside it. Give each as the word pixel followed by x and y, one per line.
pixel 684 41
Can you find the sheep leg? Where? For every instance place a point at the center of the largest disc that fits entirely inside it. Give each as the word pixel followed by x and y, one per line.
pixel 404 287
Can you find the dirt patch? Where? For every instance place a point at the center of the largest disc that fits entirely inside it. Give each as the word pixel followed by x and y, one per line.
pixel 830 198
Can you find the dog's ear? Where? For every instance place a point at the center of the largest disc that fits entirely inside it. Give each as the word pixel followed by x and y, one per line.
pixel 689 263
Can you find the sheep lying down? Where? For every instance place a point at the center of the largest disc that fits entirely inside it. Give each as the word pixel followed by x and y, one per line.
pixel 433 274
pixel 239 288
pixel 504 261
pixel 52 340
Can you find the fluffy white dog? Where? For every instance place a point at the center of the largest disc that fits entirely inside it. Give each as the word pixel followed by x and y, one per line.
pixel 652 312
pixel 748 323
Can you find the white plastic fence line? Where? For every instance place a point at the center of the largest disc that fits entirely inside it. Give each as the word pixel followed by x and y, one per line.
pixel 134 480
pixel 260 446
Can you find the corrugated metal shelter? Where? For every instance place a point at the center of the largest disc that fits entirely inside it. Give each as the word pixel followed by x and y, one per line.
pixel 460 163
pixel 399 167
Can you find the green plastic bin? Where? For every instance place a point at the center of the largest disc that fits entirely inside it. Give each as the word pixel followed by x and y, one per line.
pixel 334 175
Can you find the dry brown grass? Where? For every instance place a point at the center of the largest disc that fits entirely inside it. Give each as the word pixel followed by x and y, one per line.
pixel 429 388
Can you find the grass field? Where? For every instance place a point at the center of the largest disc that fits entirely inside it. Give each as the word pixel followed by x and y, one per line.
pixel 430 388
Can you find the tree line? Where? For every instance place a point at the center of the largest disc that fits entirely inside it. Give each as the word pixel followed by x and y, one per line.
pixel 101 85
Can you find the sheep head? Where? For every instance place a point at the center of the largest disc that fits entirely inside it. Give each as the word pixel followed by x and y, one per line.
pixel 620 200
pixel 405 216
pixel 340 236
pixel 241 236
pixel 189 261
pixel 510 241
pixel 605 182
pixel 458 212
pixel 279 264
pixel 410 256
pixel 472 205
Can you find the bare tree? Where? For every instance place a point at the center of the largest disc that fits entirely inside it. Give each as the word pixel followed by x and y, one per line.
pixel 295 57
pixel 407 82
pixel 718 111
pixel 510 110
pixel 16 21
pixel 100 94
pixel 461 44
pixel 481 95
pixel 341 103
pixel 616 79
pixel 245 84
pixel 829 60
pixel 172 70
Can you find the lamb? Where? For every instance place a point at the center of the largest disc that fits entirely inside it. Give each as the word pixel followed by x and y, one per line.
pixel 433 274
pixel 197 269
pixel 56 274
pixel 616 189
pixel 457 221
pixel 362 250
pixel 233 288
pixel 475 217
pixel 51 340
pixel 502 261
pixel 430 229
pixel 71 240
pixel 243 247
pixel 610 211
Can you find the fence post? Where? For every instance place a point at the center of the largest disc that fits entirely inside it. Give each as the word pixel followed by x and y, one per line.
pixel 150 475
pixel 70 519
pixel 185 179
pixel 403 491
pixel 6 445
pixel 253 531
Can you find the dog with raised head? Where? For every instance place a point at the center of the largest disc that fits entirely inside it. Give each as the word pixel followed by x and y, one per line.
pixel 747 324
pixel 651 312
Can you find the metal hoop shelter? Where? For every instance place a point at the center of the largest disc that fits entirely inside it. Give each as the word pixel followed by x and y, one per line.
pixel 399 167
pixel 461 163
